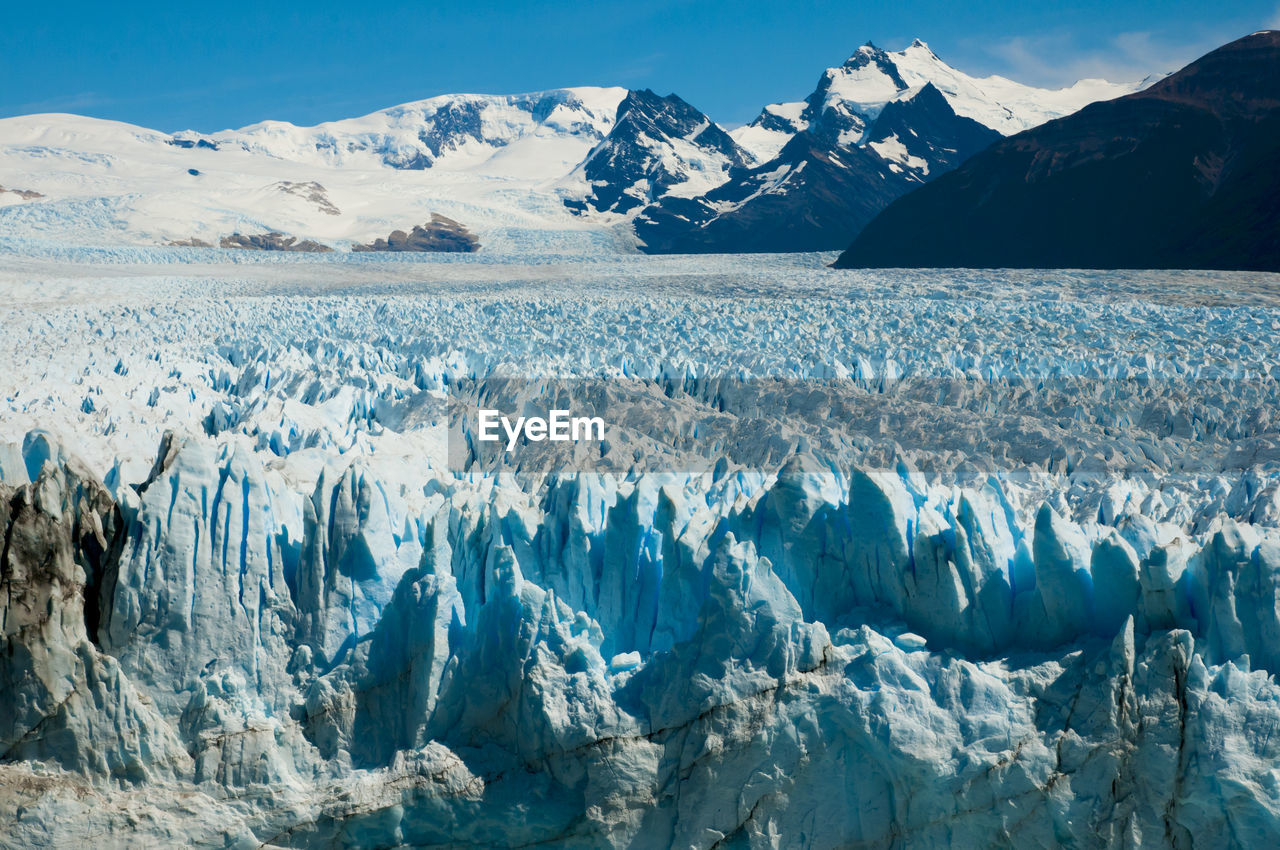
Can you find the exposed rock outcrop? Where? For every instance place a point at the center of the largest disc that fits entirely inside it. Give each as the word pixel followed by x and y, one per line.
pixel 441 234
pixel 62 700
pixel 312 192
pixel 24 194
pixel 273 241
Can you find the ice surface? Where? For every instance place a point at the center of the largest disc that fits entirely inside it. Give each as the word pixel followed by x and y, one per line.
pixel 248 599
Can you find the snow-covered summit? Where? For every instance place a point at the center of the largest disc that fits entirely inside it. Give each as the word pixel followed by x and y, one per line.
pixel 1000 103
pixel 660 146
pixel 487 161
pixel 539 134
pixel 848 96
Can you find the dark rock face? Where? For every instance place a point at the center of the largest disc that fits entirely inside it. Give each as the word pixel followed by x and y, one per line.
pixel 929 129
pixel 635 164
pixel 273 241
pixel 310 191
pixel 61 698
pixel 806 199
pixel 828 123
pixel 1183 175
pixel 25 194
pixel 190 142
pixel 438 235
pixel 454 122
pixel 816 191
pixel 452 125
pixel 773 121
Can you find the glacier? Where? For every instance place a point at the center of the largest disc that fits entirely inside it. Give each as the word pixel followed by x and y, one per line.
pixel 1018 585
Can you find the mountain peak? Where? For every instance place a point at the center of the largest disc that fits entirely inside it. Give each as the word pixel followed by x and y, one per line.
pixel 1179 176
pixel 657 145
pixel 864 55
pixel 1216 79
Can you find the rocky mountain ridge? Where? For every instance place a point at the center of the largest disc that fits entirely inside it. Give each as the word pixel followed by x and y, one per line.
pixel 1185 174
pixel 582 170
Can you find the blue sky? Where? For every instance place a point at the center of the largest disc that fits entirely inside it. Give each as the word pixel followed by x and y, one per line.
pixel 212 65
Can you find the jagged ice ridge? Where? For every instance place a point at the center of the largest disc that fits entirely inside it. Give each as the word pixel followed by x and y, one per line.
pixel 247 600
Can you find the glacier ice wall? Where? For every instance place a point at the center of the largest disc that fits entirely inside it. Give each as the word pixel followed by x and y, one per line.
pixel 909 677
pixel 247 601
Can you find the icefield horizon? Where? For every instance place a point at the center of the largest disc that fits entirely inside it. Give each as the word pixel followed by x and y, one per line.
pixel 881 559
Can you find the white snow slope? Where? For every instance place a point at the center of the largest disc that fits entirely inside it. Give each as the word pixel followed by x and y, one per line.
pixel 490 162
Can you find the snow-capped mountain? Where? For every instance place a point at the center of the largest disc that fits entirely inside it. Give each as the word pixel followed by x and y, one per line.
pixel 576 169
pixel 659 146
pixel 1181 175
pixel 848 95
pixel 489 162
pixel 872 130
pixel 818 189
pixel 531 136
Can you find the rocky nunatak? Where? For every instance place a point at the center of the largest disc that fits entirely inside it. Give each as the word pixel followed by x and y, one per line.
pixel 438 235
pixel 273 241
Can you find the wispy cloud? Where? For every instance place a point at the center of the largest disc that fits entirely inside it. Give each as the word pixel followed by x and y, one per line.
pixel 1059 59
pixel 639 68
pixel 96 104
pixel 70 103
